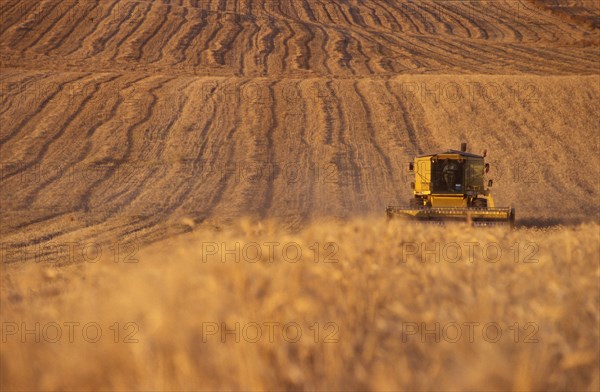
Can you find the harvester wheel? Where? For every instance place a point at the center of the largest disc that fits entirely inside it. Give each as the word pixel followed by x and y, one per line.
pixel 415 203
pixel 480 203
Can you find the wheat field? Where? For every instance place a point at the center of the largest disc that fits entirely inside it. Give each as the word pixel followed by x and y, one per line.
pixel 193 194
pixel 489 309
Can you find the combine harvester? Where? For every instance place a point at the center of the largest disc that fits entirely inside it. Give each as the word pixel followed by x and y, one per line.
pixel 449 186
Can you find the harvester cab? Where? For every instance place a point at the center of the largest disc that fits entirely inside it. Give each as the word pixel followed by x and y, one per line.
pixel 451 186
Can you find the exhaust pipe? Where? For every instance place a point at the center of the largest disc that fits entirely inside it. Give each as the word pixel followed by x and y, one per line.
pixel 463 147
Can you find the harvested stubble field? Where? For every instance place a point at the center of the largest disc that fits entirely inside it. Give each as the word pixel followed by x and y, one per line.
pixel 163 164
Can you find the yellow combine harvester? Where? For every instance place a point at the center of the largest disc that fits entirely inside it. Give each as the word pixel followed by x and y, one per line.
pixel 450 186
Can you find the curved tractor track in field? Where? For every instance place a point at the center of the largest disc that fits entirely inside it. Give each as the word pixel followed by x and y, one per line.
pixel 303 38
pixel 126 118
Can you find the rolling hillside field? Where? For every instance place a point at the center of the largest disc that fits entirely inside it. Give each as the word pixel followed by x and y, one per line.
pixel 193 195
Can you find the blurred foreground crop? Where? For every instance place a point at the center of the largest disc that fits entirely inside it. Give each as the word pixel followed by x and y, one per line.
pixel 364 305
